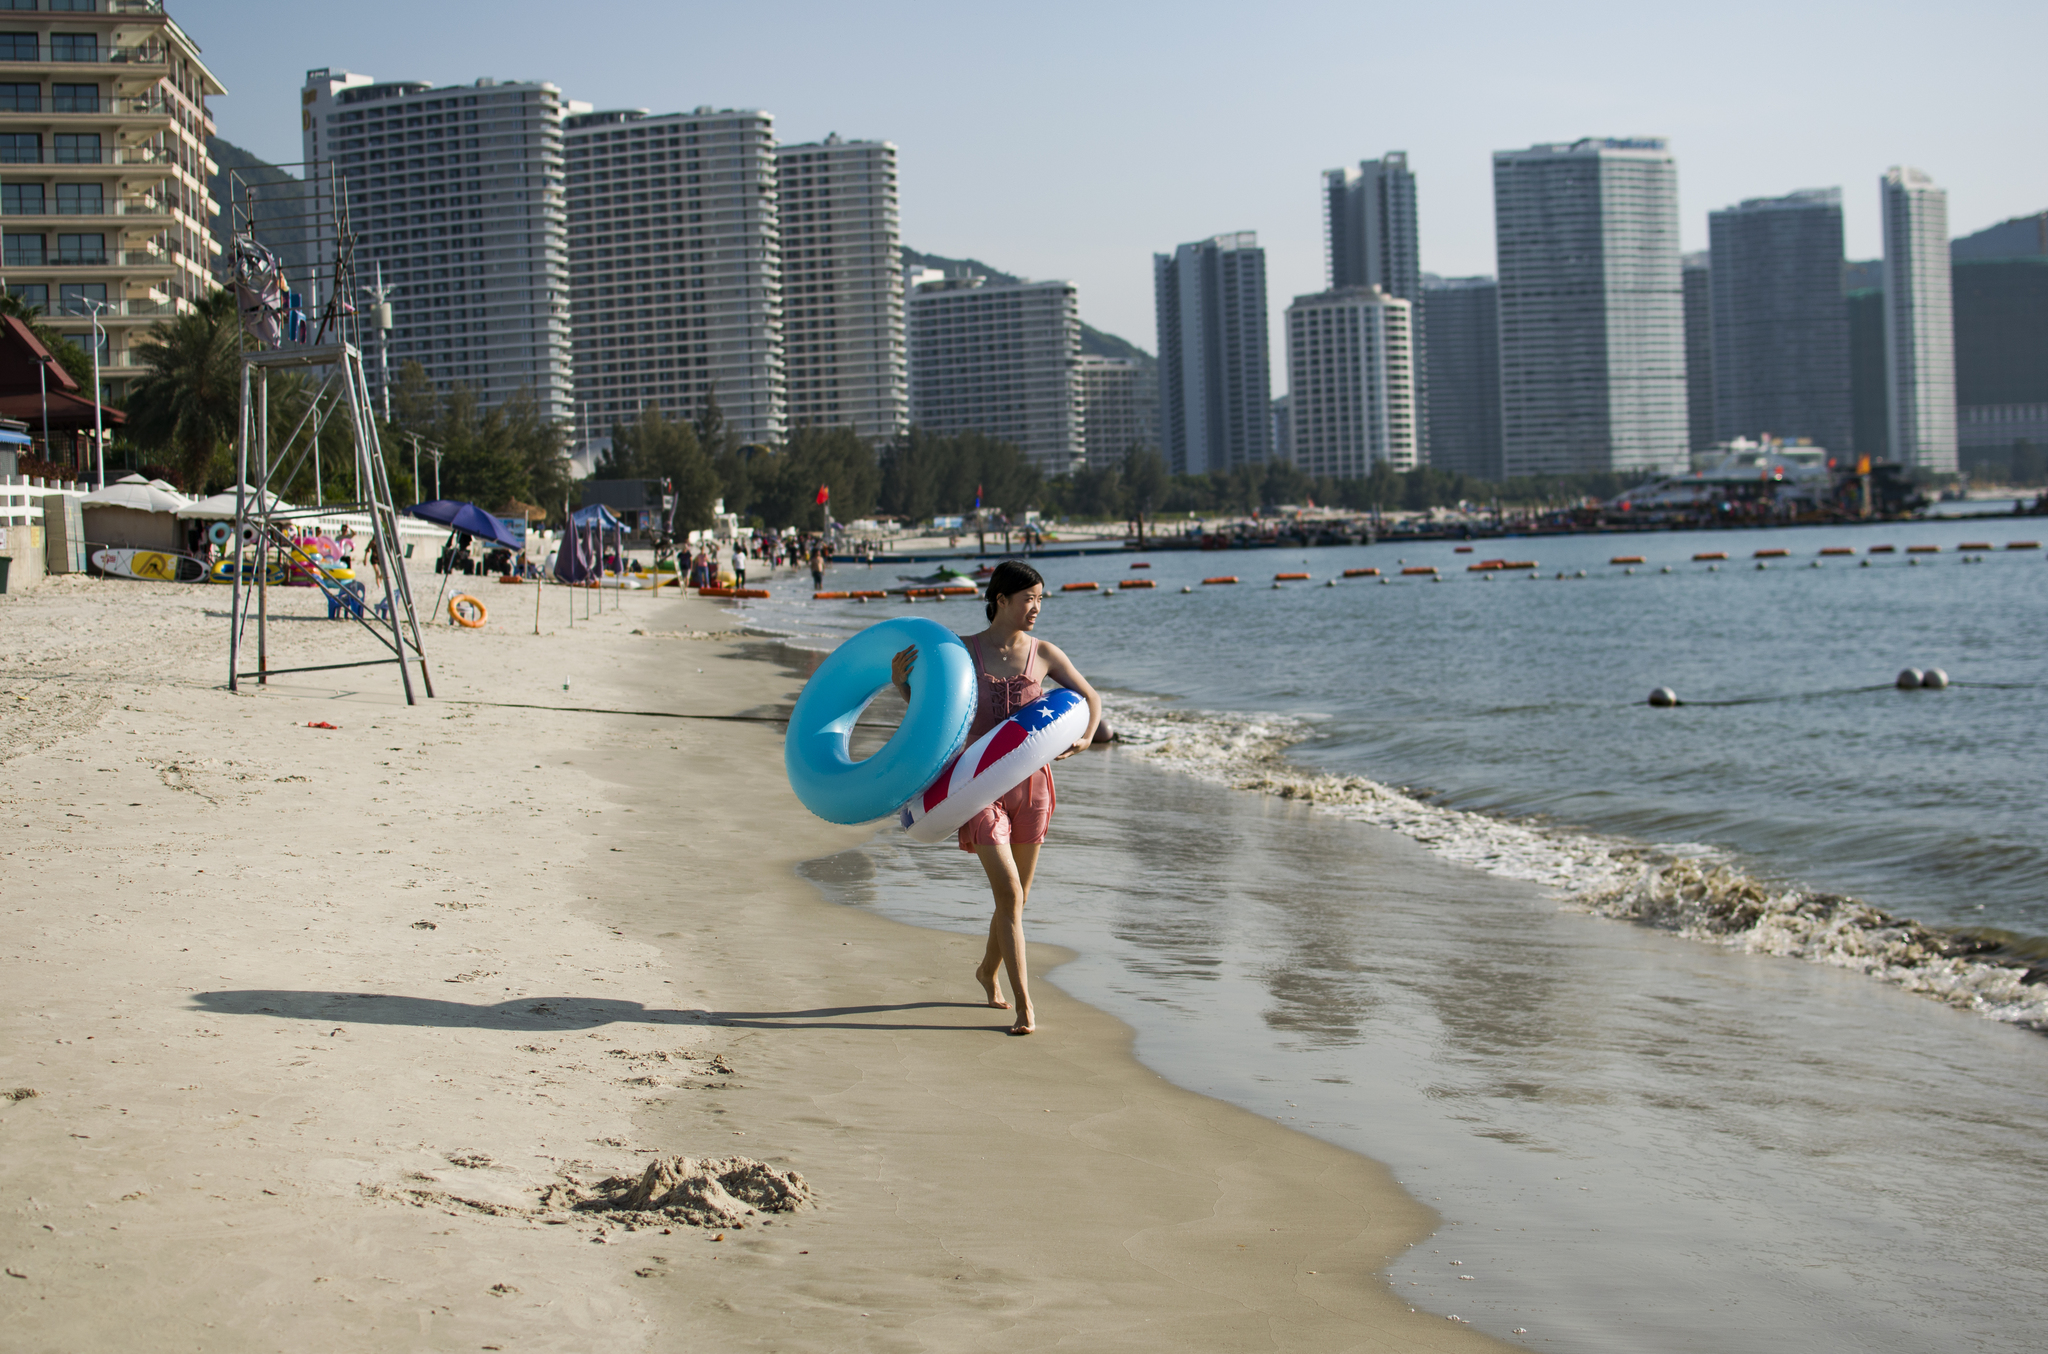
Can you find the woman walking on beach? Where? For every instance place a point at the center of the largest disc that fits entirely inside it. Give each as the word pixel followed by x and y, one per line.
pixel 1010 663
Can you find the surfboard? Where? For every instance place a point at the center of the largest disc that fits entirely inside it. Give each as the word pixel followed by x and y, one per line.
pixel 158 565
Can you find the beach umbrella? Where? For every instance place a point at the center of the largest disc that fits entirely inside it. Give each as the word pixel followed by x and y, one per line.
pixel 457 515
pixel 133 491
pixel 221 506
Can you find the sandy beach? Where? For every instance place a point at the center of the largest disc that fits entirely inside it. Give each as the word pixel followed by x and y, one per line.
pixel 319 1037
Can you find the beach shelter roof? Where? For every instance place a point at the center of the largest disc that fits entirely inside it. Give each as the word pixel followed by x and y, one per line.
pixel 457 515
pixel 221 506
pixel 133 491
pixel 600 514
pixel 514 508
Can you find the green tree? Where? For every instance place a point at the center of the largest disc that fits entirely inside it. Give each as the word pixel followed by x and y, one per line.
pixel 188 403
pixel 1145 483
pixel 785 484
pixel 509 451
pixel 926 473
pixel 654 446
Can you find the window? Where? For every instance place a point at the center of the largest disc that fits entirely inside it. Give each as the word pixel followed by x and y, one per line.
pixel 21 199
pixel 19 47
pixel 24 251
pixel 17 4
pixel 74 47
pixel 34 295
pixel 74 6
pixel 81 199
pixel 19 148
pixel 76 148
pixel 81 251
pixel 21 98
pixel 75 98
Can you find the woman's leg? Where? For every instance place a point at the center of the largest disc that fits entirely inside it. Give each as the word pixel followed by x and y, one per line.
pixel 1009 869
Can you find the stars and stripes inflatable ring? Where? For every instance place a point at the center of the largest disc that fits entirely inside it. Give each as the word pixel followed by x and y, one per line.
pixel 996 763
pixel 821 769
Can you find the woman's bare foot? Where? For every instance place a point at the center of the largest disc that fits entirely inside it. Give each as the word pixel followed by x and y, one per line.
pixel 1026 1023
pixel 987 979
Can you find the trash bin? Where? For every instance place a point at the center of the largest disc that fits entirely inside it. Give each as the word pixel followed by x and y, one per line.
pixel 6 562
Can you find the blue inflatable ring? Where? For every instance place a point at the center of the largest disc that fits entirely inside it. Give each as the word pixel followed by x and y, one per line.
pixel 942 699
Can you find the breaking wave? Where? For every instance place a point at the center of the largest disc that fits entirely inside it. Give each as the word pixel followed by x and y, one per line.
pixel 1697 891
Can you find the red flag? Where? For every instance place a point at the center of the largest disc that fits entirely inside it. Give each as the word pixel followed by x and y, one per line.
pixel 823 493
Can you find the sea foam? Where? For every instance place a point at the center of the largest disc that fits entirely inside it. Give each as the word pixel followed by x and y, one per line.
pixel 1697 891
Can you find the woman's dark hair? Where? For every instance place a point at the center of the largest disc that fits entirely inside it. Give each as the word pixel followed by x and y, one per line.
pixel 1010 577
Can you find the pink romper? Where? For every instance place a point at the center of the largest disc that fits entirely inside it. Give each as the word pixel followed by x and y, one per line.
pixel 1022 815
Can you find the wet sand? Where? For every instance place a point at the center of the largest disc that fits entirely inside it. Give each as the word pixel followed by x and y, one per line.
pixel 326 1027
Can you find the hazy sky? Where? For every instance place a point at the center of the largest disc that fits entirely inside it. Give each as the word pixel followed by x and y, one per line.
pixel 1073 140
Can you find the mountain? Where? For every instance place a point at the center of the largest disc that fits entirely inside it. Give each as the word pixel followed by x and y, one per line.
pixel 1094 342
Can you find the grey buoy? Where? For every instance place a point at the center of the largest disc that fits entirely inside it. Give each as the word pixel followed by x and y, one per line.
pixel 1385 581
pixel 1329 582
pixel 1713 568
pixel 1866 564
pixel 1276 587
pixel 1665 570
pixel 1663 698
pixel 1934 679
pixel 1628 571
pixel 1187 589
pixel 862 600
pixel 1816 564
pixel 1761 566
pixel 1580 574
pixel 1909 679
pixel 1912 564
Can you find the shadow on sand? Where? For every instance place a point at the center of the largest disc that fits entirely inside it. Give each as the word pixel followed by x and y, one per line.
pixel 556 1013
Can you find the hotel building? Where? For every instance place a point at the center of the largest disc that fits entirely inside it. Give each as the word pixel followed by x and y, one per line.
pixel 1371 239
pixel 1919 322
pixel 1351 382
pixel 1215 389
pixel 1002 359
pixel 1464 375
pixel 103 171
pixel 456 194
pixel 1780 327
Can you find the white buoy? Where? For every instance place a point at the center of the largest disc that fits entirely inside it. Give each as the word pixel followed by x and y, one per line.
pixel 1628 571
pixel 1187 589
pixel 1912 563
pixel 1909 679
pixel 1663 698
pixel 1276 587
pixel 1934 679
pixel 1665 570
pixel 1580 574
pixel 1385 581
pixel 1761 566
pixel 1816 564
pixel 1713 568
pixel 1866 564
pixel 1329 582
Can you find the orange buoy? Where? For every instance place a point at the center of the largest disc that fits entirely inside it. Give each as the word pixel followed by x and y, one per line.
pixel 1884 549
pixel 1518 564
pixel 1923 549
pixel 960 592
pixel 1361 573
pixel 1772 553
pixel 1974 545
pixel 875 593
pixel 1837 550
pixel 1462 550
pixel 1221 578
pixel 1080 587
pixel 1141 564
pixel 2023 545
pixel 1137 583
pixel 466 611
pixel 1711 554
pixel 1630 559
pixel 1419 569
pixel 830 596
pixel 1288 578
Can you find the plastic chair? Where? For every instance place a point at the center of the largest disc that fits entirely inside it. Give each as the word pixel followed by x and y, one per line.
pixel 349 599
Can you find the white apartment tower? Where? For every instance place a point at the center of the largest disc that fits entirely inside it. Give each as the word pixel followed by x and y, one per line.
pixel 1215 388
pixel 1350 382
pixel 103 165
pixel 1120 400
pixel 1002 359
pixel 842 286
pixel 1919 324
pixel 456 195
pixel 675 267
pixel 1591 306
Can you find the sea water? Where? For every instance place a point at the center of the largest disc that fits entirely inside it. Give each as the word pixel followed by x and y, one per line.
pixel 1639 1137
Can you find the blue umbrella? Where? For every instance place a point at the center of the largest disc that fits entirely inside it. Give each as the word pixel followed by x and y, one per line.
pixel 460 516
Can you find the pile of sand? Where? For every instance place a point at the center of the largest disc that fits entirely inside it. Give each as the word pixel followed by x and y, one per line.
pixel 706 1191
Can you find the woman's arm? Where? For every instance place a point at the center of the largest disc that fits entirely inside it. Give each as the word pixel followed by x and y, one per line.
pixel 1062 670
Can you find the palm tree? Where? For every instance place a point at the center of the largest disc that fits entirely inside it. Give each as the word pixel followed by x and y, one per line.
pixel 191 399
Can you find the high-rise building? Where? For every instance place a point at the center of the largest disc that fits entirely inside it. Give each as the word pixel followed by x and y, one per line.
pixel 1120 405
pixel 1463 359
pixel 1215 386
pixel 1371 239
pixel 842 286
pixel 1699 351
pixel 1283 429
pixel 1592 310
pixel 456 195
pixel 2001 309
pixel 1350 382
pixel 675 264
pixel 1002 359
pixel 1780 321
pixel 103 131
pixel 1919 322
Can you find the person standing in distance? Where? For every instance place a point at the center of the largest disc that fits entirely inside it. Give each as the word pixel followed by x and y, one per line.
pixel 1010 665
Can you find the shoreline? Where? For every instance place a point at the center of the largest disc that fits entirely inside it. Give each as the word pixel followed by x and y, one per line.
pixel 320 1094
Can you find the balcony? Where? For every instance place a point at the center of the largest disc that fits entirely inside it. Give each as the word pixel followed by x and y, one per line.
pixel 35 54
pixel 106 155
pixel 112 105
